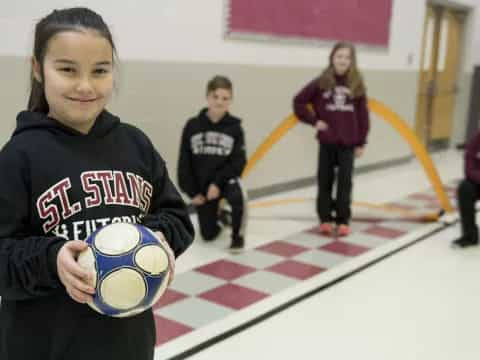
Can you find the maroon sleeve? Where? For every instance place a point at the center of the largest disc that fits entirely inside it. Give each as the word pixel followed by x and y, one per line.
pixel 302 99
pixel 472 161
pixel 363 118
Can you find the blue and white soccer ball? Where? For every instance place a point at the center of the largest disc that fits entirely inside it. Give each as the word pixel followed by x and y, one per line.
pixel 131 268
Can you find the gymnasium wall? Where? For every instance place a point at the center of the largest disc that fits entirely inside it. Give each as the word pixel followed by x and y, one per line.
pixel 169 48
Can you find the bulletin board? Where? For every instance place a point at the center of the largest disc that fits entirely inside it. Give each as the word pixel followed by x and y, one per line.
pixel 359 21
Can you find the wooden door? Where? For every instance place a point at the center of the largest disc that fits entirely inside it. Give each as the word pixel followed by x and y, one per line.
pixel 438 74
pixel 446 76
pixel 427 73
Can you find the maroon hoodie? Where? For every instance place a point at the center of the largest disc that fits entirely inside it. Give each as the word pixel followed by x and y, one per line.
pixel 347 117
pixel 472 159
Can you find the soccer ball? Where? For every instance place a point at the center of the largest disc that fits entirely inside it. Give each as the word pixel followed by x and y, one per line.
pixel 131 268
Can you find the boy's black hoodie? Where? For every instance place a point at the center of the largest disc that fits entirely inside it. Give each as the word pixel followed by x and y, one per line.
pixel 56 184
pixel 210 153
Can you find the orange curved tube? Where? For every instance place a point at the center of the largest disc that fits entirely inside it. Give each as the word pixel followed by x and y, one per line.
pixel 268 143
pixel 391 118
pixel 416 146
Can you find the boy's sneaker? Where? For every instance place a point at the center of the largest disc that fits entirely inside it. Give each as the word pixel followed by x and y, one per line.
pixel 343 230
pixel 465 241
pixel 326 228
pixel 237 245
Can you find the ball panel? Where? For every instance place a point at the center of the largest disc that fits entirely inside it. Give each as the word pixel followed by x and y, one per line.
pixel 152 259
pixel 86 259
pixel 129 313
pixel 148 236
pixel 116 239
pixel 94 307
pixel 123 289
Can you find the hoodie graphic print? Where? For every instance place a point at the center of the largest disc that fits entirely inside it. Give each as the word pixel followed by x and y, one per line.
pixel 210 153
pixel 78 183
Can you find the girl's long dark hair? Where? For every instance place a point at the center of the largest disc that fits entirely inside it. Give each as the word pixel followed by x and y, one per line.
pixel 71 19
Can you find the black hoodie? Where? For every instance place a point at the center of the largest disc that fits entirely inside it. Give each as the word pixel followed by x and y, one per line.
pixel 210 153
pixel 57 184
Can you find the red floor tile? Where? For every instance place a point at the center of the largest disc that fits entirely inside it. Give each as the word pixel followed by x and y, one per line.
pixel 282 248
pixel 168 330
pixel 384 232
pixel 169 297
pixel 344 248
pixel 225 269
pixel 233 296
pixel 295 269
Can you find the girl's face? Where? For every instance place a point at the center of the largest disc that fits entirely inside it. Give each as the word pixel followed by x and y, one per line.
pixel 219 102
pixel 342 60
pixel 78 77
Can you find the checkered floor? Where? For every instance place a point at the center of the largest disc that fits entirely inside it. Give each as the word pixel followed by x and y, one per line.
pixel 217 290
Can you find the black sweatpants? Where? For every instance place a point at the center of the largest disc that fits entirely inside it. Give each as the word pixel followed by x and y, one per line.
pixel 467 194
pixel 331 157
pixel 235 195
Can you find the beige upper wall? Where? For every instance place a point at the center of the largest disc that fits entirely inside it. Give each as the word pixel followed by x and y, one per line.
pixel 159 97
pixel 13 92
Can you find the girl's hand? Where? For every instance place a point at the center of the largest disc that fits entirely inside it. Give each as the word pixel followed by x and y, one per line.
pixel 359 151
pixel 198 200
pixel 213 192
pixel 321 125
pixel 77 281
pixel 171 255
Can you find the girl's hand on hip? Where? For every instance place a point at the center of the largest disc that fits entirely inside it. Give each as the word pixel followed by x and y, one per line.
pixel 321 125
pixel 359 150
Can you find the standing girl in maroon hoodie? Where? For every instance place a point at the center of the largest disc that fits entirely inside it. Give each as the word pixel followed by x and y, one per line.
pixel 339 113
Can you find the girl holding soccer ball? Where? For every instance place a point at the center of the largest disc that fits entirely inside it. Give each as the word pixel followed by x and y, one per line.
pixel 69 168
